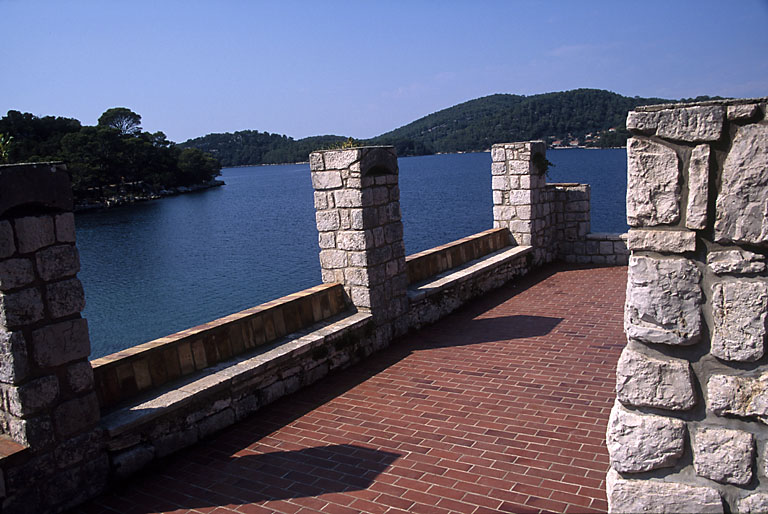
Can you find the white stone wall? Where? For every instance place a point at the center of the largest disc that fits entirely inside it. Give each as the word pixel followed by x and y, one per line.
pixel 688 430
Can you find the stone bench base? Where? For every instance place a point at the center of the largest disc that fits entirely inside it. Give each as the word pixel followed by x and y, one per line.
pixel 434 298
pixel 179 415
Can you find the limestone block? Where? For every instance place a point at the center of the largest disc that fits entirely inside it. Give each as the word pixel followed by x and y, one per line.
pixel 735 261
pixel 643 122
pixel 739 311
pixel 57 262
pixel 738 396
pixel 698 188
pixel 354 240
pixel 756 503
pixel 503 212
pixel 327 220
pixel 498 168
pixel 34 232
pixel 333 259
pixel 644 381
pixel 743 112
pixel 59 343
pixel 14 360
pixel 340 159
pixel 21 308
pixel 724 455
pixel 65 227
pixel 31 398
pixel 321 200
pixel 316 161
pixel 741 207
pixel 326 179
pixel 498 154
pixel 16 273
pixel 326 240
pixel 80 377
pixel 641 442
pixel 633 496
pixel 65 298
pixel 500 183
pixel 76 415
pixel 7 245
pixel 692 124
pixel 663 301
pixel 348 198
pixel 665 241
pixel 653 184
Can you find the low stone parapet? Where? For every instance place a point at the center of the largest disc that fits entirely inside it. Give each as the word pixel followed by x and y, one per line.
pixel 597 248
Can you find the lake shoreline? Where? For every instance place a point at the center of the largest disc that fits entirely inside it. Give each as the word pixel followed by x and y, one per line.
pixel 142 195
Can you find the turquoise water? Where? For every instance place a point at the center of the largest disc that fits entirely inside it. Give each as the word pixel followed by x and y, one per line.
pixel 158 267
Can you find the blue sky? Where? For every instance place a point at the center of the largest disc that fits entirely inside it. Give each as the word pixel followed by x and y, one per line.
pixel 361 68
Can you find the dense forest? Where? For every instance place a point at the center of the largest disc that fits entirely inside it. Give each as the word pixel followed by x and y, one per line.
pixel 112 157
pixel 583 117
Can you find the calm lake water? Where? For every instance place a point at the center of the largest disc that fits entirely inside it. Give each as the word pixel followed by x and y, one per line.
pixel 155 268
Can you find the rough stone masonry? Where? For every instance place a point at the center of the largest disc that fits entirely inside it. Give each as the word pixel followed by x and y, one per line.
pixel 688 430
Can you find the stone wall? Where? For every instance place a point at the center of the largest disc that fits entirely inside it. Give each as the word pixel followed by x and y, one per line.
pixel 47 401
pixel 688 430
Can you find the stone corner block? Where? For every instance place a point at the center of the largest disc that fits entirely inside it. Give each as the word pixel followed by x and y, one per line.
pixel 642 442
pixel 664 300
pixel 340 159
pixel 692 124
pixel 756 503
pixel 740 215
pixel 723 455
pixel 643 381
pixel 632 496
pixel 739 312
pixel 60 343
pixel 653 184
pixel 664 241
pixel 34 232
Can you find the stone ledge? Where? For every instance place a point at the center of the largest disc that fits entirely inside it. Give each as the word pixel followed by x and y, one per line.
pixel 443 281
pixel 229 374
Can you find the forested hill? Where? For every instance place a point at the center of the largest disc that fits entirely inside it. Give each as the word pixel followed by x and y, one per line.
pixel 585 117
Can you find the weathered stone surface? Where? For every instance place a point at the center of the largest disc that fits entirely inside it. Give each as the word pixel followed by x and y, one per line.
pixel 741 208
pixel 21 308
pixel 641 442
pixel 316 161
pixel 742 112
pixel 32 397
pixel 7 245
pixel 59 343
pixel 692 124
pixel 340 159
pixel 724 455
pixel 643 381
pixel 663 301
pixel 14 361
pixel 80 377
pixel 326 179
pixel 34 232
pixel 666 241
pixel 738 396
pixel 64 225
pixel 16 273
pixel 753 504
pixel 634 496
pixel 65 298
pixel 57 262
pixel 653 184
pixel 327 220
pixel 736 261
pixel 739 311
pixel 76 415
pixel 643 122
pixel 698 188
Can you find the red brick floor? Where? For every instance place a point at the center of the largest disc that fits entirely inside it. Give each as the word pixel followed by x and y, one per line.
pixel 501 407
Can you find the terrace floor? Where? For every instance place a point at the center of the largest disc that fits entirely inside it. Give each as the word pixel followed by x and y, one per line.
pixel 500 407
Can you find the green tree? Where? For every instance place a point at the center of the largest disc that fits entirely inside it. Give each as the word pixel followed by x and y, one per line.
pixel 121 118
pixel 5 145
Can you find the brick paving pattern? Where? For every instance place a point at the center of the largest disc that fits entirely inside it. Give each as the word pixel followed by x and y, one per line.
pixel 501 407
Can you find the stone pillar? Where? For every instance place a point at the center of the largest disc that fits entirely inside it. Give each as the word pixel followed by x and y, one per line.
pixel 46 380
pixel 357 202
pixel 687 432
pixel 520 201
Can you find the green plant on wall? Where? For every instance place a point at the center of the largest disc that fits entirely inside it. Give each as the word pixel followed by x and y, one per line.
pixel 350 142
pixel 542 164
pixel 5 145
